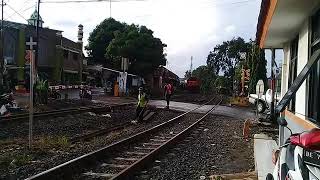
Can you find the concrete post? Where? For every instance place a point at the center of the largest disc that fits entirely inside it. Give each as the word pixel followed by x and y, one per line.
pixel 273 55
pixel 80 42
pixel 1 49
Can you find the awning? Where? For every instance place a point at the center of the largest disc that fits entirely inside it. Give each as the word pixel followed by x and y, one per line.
pixel 280 20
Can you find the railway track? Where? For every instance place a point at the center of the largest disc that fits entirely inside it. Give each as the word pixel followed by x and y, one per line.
pixel 60 112
pixel 122 159
pixel 100 132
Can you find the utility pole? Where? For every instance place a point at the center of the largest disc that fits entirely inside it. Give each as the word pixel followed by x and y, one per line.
pixel 110 7
pixel 191 66
pixel 37 38
pixel 1 49
pixel 273 53
pixel 33 75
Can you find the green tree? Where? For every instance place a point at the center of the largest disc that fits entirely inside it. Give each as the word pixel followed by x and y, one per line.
pixel 187 74
pixel 100 38
pixel 220 81
pixel 225 58
pixel 137 43
pixel 111 40
pixel 257 64
pixel 207 78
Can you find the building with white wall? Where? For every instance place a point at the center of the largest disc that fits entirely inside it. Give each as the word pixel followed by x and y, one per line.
pixel 294 26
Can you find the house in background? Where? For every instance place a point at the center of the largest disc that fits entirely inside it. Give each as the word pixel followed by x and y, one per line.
pixel 60 59
pixel 294 26
pixel 158 78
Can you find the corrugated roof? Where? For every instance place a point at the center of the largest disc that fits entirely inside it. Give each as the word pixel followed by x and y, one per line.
pixel 16 25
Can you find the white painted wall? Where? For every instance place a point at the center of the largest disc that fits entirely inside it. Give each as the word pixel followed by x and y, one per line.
pixel 285 69
pixel 303 57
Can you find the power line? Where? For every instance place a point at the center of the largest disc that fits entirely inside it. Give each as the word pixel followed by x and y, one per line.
pixel 87 1
pixel 19 10
pixel 16 12
pixel 228 3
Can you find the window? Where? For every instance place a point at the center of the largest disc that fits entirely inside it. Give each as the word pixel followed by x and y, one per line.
pixel 75 56
pixel 293 69
pixel 314 80
pixel 65 54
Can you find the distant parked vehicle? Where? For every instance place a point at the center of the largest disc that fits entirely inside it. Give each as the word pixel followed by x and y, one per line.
pixel 193 84
pixel 265 100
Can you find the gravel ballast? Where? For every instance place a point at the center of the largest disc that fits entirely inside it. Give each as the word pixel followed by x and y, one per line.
pixel 67 126
pixel 17 162
pixel 215 148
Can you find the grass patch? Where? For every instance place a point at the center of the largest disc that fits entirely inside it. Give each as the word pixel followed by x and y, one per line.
pixel 60 142
pixel 13 160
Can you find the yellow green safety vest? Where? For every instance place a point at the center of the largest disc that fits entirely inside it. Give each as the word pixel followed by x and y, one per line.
pixel 142 102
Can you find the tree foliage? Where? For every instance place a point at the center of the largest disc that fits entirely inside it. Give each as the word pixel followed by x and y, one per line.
pixel 100 38
pixel 144 51
pixel 207 78
pixel 112 40
pixel 257 63
pixel 187 74
pixel 225 59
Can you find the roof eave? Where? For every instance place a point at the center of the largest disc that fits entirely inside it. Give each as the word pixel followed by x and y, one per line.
pixel 267 9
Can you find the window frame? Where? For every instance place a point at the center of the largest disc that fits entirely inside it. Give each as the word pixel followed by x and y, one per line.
pixel 293 64
pixel 313 105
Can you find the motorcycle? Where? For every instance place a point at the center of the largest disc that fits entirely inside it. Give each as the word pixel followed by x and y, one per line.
pixel 85 93
pixel 299 157
pixel 6 99
pixel 54 94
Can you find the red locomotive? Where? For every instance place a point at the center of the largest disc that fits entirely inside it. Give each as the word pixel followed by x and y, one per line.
pixel 193 84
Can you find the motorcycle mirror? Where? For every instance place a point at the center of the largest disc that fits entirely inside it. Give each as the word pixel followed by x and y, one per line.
pixel 282 121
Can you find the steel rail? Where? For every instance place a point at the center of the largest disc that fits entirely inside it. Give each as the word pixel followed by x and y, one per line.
pixel 60 112
pixel 129 172
pixel 74 166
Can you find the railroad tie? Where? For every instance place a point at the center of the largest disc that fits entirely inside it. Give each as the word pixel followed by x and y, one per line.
pixel 151 144
pixel 158 140
pixel 120 166
pixel 144 148
pixel 148 116
pixel 105 175
pixel 136 153
pixel 162 137
pixel 126 159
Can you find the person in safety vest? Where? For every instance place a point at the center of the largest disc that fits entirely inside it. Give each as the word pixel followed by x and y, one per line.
pixel 141 106
pixel 168 90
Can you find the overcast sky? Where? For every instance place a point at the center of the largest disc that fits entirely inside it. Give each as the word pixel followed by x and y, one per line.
pixel 188 27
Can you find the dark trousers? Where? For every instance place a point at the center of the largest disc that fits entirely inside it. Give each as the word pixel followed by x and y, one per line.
pixel 167 96
pixel 139 113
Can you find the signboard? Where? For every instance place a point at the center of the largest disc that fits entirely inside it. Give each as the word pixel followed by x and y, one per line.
pixel 28 57
pixel 245 74
pixel 260 88
pixel 124 64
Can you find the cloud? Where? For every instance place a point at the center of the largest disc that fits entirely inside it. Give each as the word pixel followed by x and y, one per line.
pixel 188 27
pixel 230 29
